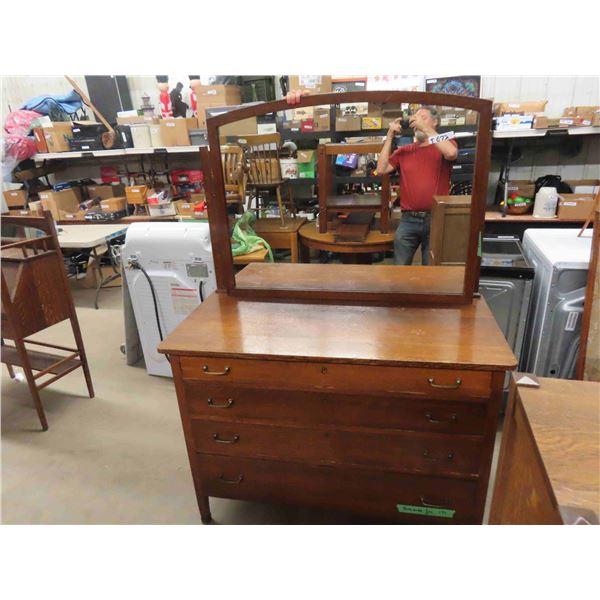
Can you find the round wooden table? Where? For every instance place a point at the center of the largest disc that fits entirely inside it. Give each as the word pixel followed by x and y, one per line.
pixel 351 251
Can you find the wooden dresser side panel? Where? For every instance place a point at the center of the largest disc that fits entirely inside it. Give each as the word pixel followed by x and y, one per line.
pixel 522 493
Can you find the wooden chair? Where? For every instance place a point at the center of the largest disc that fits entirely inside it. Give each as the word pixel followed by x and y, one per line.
pixel 264 170
pixel 35 296
pixel 232 159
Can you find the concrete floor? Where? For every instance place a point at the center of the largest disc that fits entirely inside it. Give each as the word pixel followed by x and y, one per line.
pixel 119 458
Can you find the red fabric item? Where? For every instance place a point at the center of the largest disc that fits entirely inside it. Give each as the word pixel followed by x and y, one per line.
pixel 18 122
pixel 424 172
pixel 19 146
pixel 193 100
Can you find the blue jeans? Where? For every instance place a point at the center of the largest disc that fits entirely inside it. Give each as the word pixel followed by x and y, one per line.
pixel 412 231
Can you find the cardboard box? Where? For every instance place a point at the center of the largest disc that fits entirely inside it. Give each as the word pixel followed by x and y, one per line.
pixel 20 212
pixel 15 198
pixel 302 113
pixel 105 190
pixel 196 197
pixel 360 109
pixel 184 208
pixel 307 125
pixel 315 84
pixel 322 118
pixel 161 210
pixel 262 128
pixel 175 132
pixel 570 122
pixel 371 122
pixel 66 200
pixel 292 125
pixel 575 206
pixel 347 123
pixel 217 95
pixel 66 215
pixel 244 127
pixel 40 140
pixel 113 204
pixel 590 115
pixel 36 209
pixel 58 136
pixel 513 122
pixel 471 117
pixel 520 108
pixel 138 120
pixel 540 122
pixel 389 116
pixel 307 161
pixel 136 194
pixel 351 85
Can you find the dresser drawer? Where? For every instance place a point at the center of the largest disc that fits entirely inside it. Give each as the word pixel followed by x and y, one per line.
pixel 356 379
pixel 322 408
pixel 430 453
pixel 374 493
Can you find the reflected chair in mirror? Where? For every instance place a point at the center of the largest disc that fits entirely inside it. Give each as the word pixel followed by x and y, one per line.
pixel 264 171
pixel 234 175
pixel 36 295
pixel 332 203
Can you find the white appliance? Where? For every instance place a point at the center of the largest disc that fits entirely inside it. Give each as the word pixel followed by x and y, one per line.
pixel 561 262
pixel 177 258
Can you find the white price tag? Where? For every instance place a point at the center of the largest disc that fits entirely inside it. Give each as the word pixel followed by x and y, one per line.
pixel 442 137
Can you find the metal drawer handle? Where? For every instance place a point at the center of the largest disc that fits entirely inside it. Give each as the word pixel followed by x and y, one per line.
pixel 231 481
pixel 428 456
pixel 233 440
pixel 452 386
pixel 430 505
pixel 452 419
pixel 224 372
pixel 227 404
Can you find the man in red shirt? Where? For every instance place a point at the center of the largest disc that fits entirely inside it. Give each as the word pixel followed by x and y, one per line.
pixel 424 170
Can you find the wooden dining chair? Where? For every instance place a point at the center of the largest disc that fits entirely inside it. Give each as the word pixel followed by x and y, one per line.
pixel 36 295
pixel 234 175
pixel 264 171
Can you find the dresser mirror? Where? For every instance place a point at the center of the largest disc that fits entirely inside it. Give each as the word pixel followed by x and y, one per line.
pixel 390 219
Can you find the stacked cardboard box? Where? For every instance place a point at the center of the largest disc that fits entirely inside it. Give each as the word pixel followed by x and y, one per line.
pixel 586 116
pixel 307 160
pixel 104 191
pixel 59 203
pixel 175 132
pixel 58 135
pixel 215 95
pixel 315 84
pixel 15 198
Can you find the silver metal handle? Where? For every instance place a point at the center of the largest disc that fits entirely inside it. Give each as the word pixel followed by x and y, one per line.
pixel 227 404
pixel 428 456
pixel 430 505
pixel 218 373
pixel 233 440
pixel 452 386
pixel 231 481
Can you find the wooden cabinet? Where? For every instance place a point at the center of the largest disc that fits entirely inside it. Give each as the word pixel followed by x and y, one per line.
pixel 549 465
pixel 450 228
pixel 376 420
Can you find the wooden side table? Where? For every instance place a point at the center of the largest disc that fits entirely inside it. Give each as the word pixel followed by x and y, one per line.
pixel 280 236
pixel 376 241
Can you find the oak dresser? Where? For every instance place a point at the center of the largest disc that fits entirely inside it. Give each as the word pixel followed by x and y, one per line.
pixel 388 412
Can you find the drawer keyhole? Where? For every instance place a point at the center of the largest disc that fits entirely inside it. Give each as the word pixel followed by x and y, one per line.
pixel 324 370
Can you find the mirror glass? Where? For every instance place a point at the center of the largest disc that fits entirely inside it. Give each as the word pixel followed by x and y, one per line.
pixel 399 196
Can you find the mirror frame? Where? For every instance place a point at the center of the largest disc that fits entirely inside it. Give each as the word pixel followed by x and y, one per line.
pixel 217 207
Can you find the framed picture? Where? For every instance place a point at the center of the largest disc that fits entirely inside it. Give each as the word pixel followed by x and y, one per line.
pixel 461 85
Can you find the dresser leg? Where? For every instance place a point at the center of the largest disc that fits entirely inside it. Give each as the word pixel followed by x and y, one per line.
pixel 205 515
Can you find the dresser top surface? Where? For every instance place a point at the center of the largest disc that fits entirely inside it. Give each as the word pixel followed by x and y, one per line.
pixel 465 336
pixel 564 417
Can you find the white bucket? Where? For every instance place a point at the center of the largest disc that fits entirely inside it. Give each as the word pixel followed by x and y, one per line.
pixel 546 201
pixel 140 134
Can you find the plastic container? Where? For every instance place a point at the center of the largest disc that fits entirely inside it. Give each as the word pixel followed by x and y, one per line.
pixel 289 168
pixel 155 136
pixel 141 136
pixel 546 202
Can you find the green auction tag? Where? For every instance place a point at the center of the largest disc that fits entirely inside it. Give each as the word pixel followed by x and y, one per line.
pixel 479 246
pixel 409 509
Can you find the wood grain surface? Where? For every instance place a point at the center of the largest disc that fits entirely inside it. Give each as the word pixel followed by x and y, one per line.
pixel 465 336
